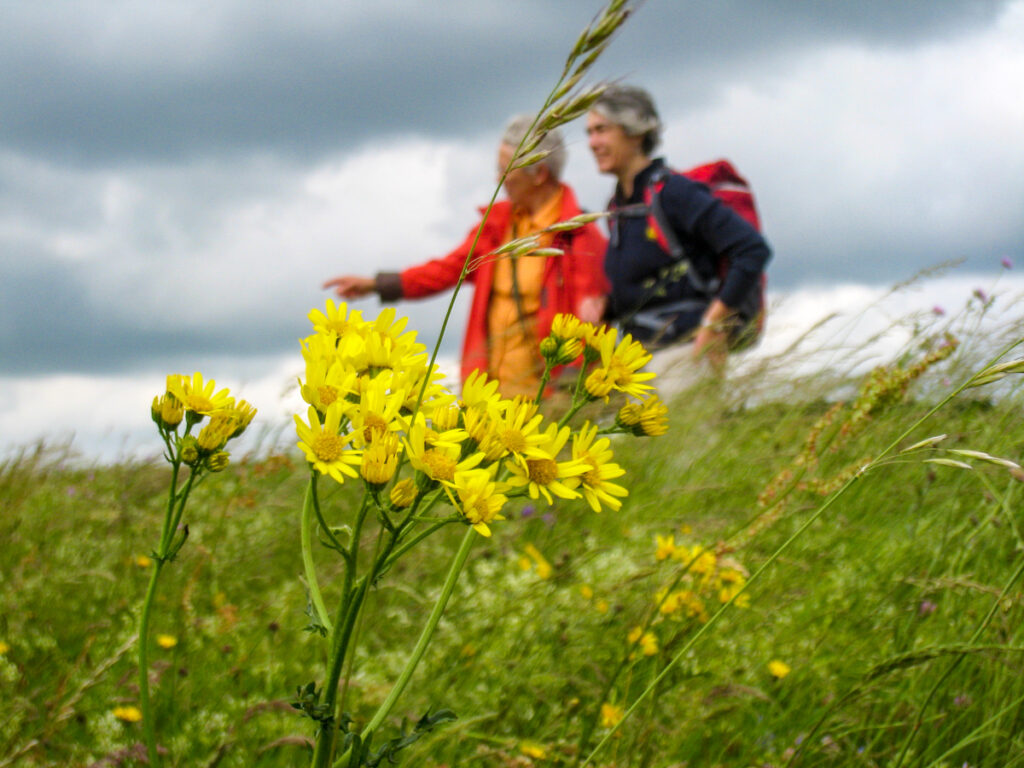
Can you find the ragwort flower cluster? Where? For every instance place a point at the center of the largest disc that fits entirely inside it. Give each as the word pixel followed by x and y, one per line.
pixel 193 401
pixel 376 407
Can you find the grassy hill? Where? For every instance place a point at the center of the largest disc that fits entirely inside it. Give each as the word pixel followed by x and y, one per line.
pixel 880 624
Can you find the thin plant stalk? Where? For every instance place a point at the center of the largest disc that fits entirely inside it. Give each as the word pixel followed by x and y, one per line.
pixel 839 493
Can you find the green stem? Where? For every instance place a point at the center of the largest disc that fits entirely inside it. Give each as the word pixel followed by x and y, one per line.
pixel 348 610
pixel 309 567
pixel 428 631
pixel 148 728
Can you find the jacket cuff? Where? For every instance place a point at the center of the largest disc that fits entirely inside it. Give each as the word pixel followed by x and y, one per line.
pixel 388 285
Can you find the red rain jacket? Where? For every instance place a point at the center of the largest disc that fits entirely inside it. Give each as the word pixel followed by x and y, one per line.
pixel 578 274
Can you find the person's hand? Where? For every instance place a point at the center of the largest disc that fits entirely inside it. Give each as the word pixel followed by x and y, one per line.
pixel 351 286
pixel 712 340
pixel 712 345
pixel 591 309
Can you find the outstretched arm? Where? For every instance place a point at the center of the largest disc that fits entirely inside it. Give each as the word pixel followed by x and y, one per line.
pixel 351 286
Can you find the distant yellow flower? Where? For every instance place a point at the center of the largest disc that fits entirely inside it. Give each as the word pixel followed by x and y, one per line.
pixel 143 562
pixel 166 641
pixel 198 396
pixel 648 640
pixel 778 669
pixel 4 647
pixel 611 715
pixel 531 749
pixel 543 566
pixel 128 714
pixel 602 606
pixel 666 546
pixel 587 591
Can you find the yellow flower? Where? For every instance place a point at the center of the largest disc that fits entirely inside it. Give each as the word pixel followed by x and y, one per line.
pixel 778 669
pixel 648 641
pixel 531 749
pixel 611 715
pixel 543 566
pixel 336 321
pixel 516 427
pixel 198 396
pixel 4 647
pixel 666 546
pixel 597 456
pixel 166 641
pixel 652 419
pixel 602 606
pixel 323 447
pixel 220 428
pixel 438 462
pixel 143 562
pixel 587 591
pixel 543 474
pixel 128 714
pixel 478 392
pixel 479 498
pixel 621 365
pixel 377 413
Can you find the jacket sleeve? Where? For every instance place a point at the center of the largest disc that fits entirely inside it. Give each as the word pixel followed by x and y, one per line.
pixel 439 274
pixel 693 210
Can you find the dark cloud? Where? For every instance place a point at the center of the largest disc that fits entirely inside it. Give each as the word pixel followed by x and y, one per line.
pixel 166 81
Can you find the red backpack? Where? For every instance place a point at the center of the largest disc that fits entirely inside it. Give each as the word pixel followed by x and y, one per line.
pixel 732 189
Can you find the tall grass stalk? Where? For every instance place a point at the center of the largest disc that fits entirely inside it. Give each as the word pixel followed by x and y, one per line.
pixel 977 379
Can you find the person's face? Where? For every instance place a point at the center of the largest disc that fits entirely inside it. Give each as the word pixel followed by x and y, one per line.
pixel 520 181
pixel 613 149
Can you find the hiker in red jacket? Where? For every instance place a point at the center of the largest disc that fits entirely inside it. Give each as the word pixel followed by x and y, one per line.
pixel 685 258
pixel 515 298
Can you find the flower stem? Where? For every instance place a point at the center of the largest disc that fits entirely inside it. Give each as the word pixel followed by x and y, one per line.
pixel 308 565
pixel 148 729
pixel 428 631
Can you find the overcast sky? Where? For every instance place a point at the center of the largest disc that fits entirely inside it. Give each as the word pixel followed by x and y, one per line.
pixel 178 178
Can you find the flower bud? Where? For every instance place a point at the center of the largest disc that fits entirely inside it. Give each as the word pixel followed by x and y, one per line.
pixel 188 450
pixel 218 462
pixel 171 411
pixel 403 493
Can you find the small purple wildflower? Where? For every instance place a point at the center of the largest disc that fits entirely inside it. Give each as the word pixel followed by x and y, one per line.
pixel 937 310
pixel 980 295
pixel 927 608
pixel 963 700
pixel 1007 262
pixel 528 511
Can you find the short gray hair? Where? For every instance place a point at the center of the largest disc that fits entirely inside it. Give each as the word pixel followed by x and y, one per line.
pixel 633 109
pixel 552 143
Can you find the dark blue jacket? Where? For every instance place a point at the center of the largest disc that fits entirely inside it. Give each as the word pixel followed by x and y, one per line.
pixel 712 235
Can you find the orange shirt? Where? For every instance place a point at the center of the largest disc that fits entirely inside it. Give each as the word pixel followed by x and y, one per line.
pixel 513 357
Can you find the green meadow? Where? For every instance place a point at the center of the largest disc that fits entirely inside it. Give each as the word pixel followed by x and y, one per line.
pixel 810 569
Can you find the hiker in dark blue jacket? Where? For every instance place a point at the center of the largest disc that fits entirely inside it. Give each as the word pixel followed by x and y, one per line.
pixel 684 263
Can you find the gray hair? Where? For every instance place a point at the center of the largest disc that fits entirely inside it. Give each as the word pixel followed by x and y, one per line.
pixel 552 143
pixel 633 109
